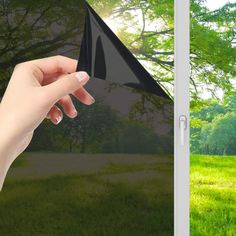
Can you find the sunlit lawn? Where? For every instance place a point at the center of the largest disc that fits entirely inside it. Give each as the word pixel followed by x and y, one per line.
pixel 121 199
pixel 213 195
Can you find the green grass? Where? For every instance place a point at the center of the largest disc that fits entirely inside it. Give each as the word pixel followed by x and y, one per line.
pixel 213 195
pixel 122 199
pixel 119 200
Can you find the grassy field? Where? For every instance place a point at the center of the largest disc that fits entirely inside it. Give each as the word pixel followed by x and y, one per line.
pixel 118 197
pixel 127 195
pixel 213 195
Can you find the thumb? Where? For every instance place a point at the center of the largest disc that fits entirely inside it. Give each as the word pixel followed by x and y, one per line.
pixel 66 85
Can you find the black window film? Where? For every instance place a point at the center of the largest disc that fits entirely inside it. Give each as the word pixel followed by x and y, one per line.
pixel 99 63
pixel 110 171
pixel 119 64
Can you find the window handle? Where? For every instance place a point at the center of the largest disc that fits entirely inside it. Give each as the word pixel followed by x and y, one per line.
pixel 183 127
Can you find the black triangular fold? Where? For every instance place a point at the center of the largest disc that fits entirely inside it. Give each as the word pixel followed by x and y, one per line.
pixel 104 56
pixel 100 63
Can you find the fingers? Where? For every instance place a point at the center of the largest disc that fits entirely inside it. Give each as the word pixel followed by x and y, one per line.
pixel 83 96
pixel 56 64
pixel 68 106
pixel 65 85
pixel 48 79
pixel 55 115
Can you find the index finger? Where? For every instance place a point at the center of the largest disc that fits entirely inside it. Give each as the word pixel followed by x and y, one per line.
pixel 55 64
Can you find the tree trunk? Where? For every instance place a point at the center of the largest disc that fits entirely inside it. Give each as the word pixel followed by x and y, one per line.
pixel 225 149
pixel 83 143
pixel 82 149
pixel 70 147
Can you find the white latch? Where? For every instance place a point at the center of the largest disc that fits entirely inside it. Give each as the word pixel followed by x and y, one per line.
pixel 183 127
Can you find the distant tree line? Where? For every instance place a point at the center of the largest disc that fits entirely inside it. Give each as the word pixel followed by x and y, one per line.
pixel 99 129
pixel 213 127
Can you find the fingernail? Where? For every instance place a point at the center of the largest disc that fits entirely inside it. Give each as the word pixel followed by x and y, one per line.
pixel 92 99
pixel 58 119
pixel 74 113
pixel 82 77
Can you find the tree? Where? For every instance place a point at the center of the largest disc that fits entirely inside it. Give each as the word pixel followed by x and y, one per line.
pixel 201 120
pixel 137 137
pixel 93 125
pixel 212 48
pixel 33 29
pixel 203 142
pixel 208 111
pixel 223 132
pixel 197 135
pixel 230 102
pixel 213 122
pixel 213 54
pixel 29 31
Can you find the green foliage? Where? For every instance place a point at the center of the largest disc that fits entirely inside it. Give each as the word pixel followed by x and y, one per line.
pixel 213 127
pixel 230 102
pixel 99 129
pixel 136 138
pixel 146 28
pixel 34 29
pixel 212 50
pixel 223 132
pixel 45 138
pixel 104 7
pixel 29 31
pixel 93 125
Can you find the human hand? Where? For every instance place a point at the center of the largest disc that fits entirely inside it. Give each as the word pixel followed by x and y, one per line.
pixel 32 94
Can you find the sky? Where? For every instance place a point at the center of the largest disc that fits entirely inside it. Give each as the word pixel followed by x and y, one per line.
pixel 214 4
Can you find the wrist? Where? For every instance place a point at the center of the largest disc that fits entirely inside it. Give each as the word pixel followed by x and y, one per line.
pixel 7 127
pixel 7 149
pixel 8 140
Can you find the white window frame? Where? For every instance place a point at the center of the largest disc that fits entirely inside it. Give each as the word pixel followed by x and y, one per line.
pixel 181 119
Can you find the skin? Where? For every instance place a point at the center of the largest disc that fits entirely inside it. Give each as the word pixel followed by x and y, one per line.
pixel 33 93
